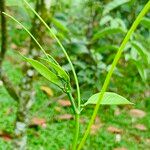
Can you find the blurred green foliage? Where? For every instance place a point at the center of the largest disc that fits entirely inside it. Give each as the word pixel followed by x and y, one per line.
pixel 91 31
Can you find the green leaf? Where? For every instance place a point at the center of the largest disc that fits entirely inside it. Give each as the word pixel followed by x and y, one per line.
pixel 78 46
pixel 14 3
pixel 109 98
pixel 113 5
pixel 105 20
pixel 145 22
pixel 59 25
pixel 59 70
pixel 141 51
pixel 44 71
pixel 107 31
pixel 52 59
pixel 118 23
pixel 141 70
pixel 107 47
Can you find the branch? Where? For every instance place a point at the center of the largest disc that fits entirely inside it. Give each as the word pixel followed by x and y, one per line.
pixel 7 83
pixel 10 87
pixel 3 32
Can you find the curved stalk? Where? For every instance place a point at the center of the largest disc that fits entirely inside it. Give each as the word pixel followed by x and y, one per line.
pixel 63 49
pixel 27 32
pixel 72 103
pixel 77 116
pixel 76 111
pixel 115 61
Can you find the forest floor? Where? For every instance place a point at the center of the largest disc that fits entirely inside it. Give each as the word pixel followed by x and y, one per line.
pixel 52 124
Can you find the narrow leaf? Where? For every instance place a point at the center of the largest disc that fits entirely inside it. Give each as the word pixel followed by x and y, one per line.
pixel 14 3
pixel 59 25
pixel 141 70
pixel 109 98
pixel 60 72
pixel 141 51
pixel 107 31
pixel 145 22
pixel 113 5
pixel 53 59
pixel 45 72
pixel 107 47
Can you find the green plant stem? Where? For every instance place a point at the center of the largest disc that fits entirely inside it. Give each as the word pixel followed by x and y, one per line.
pixel 108 77
pixel 73 103
pixel 28 33
pixel 63 49
pixel 77 116
pixel 76 134
pixel 77 119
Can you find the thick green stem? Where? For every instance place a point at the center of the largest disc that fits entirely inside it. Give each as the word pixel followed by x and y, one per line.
pixel 76 132
pixel 107 80
pixel 77 119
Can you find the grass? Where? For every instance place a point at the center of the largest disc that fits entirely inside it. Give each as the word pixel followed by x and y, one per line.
pixel 58 134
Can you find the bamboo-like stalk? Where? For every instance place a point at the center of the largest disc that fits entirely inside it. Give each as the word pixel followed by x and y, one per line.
pixel 115 61
pixel 77 115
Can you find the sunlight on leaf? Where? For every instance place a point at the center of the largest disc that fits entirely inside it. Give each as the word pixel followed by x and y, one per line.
pixel 113 5
pixel 60 72
pixel 145 22
pixel 110 98
pixel 44 71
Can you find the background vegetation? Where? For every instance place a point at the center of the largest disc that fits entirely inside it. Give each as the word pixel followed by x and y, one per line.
pixel 91 31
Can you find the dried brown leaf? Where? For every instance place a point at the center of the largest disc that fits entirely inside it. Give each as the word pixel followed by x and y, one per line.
pixel 96 126
pixel 5 136
pixel 13 46
pixel 140 127
pixel 47 90
pixel 137 113
pixel 117 112
pixel 39 122
pixel 58 109
pixel 97 120
pixel 83 120
pixel 23 50
pixel 9 111
pixel 148 141
pixel 115 130
pixel 64 103
pixel 147 93
pixel 65 117
pixel 120 148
